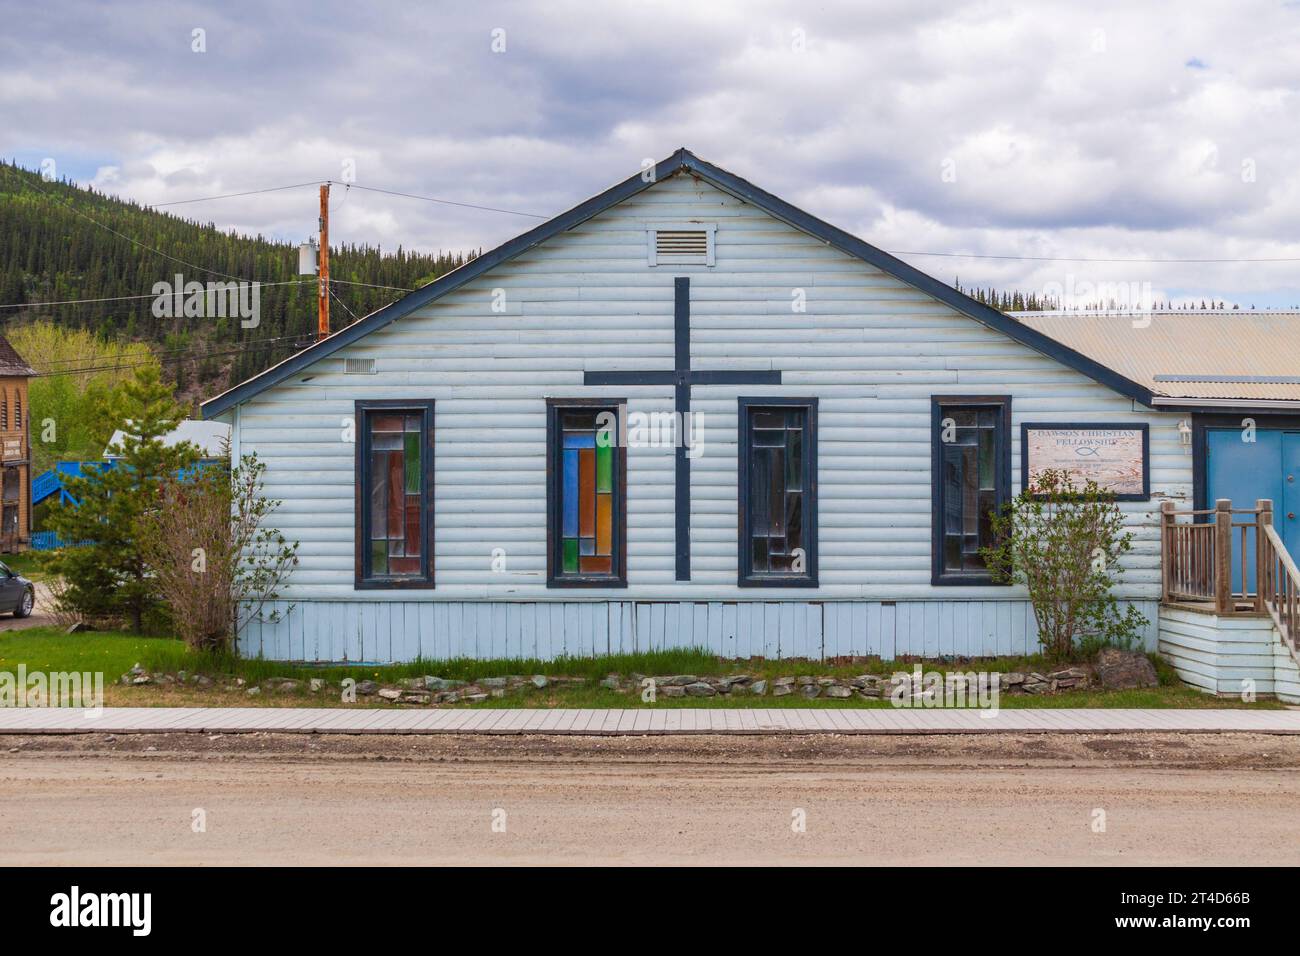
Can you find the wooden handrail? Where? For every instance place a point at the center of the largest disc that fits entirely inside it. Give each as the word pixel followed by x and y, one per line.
pixel 1197 555
pixel 1279 584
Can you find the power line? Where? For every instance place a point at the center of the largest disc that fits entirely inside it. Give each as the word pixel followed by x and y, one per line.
pixel 124 298
pixel 198 354
pixel 250 192
pixel 177 352
pixel 445 202
pixel 975 255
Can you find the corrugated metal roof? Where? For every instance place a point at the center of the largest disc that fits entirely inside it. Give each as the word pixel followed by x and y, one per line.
pixel 1211 354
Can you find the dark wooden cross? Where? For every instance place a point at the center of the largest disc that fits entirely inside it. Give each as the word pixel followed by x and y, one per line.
pixel 682 377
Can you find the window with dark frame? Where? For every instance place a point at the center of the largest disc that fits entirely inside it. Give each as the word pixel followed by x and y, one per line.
pixel 778 492
pixel 586 494
pixel 971 483
pixel 394 494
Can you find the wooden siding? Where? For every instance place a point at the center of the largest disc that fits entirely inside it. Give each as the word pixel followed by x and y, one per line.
pixel 871 348
pixel 402 631
pixel 1216 654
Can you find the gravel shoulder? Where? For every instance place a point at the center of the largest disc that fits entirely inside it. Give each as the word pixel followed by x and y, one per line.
pixel 330 800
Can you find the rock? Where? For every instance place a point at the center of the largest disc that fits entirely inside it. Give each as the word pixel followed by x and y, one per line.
pixel 447 697
pixel 240 682
pixel 827 681
pixel 806 680
pixel 390 693
pixel 142 679
pixel 254 691
pixel 1037 687
pixel 182 676
pixel 474 698
pixel 758 688
pixel 870 693
pixel 498 691
pixel 77 627
pixel 810 690
pixel 493 682
pixel 416 697
pixel 1119 669
pixel 729 682
pixel 201 680
pixel 316 685
pixel 839 691
pixel 672 690
pixel 610 682
pixel 136 671
pixel 1013 679
pixel 438 683
pixel 701 689
pixel 782 690
pixel 411 683
pixel 681 680
pixel 289 686
pixel 366 687
pixel 540 681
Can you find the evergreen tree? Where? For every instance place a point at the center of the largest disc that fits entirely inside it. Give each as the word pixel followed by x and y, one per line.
pixel 103 567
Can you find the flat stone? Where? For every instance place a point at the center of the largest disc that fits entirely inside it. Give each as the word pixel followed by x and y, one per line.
pixel 672 690
pixel 782 690
pixel 416 697
pixel 701 689
pixel 202 681
pixel 493 682
pixel 390 693
pixel 366 687
pixel 839 691
pixel 254 691
pixel 142 679
pixel 810 690
pixel 783 682
pixel 758 688
pixel 474 698
pixel 540 681
pixel 806 680
pixel 1013 679
pixel 438 683
pixel 681 680
pixel 610 683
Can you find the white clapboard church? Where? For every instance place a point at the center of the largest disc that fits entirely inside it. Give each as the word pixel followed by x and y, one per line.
pixel 778 483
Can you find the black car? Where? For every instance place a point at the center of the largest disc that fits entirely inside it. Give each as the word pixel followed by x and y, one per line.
pixel 17 594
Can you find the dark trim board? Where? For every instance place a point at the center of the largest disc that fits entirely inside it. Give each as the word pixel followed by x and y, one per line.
pixel 361 513
pixel 1143 427
pixel 938 576
pixel 1200 479
pixel 554 501
pixel 683 160
pixel 745 577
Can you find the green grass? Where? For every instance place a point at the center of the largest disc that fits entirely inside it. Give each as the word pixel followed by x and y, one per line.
pixel 114 653
pixel 24 564
pixel 49 649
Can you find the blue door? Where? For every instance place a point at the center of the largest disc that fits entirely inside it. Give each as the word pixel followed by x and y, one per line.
pixel 1287 508
pixel 1245 471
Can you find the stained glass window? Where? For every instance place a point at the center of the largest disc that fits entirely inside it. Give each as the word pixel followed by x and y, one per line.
pixel 395 485
pixel 586 494
pixel 778 458
pixel 972 478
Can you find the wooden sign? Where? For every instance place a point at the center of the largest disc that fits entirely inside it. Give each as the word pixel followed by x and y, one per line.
pixel 13 449
pixel 1116 457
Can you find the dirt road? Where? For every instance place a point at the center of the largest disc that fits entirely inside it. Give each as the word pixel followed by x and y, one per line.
pixel 945 800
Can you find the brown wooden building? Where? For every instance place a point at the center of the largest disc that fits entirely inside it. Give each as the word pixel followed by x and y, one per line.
pixel 15 451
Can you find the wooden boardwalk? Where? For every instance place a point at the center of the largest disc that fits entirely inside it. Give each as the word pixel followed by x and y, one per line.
pixel 715 720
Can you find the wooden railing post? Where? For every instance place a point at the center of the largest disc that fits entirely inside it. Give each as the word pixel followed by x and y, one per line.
pixel 1166 550
pixel 1263 518
pixel 1223 603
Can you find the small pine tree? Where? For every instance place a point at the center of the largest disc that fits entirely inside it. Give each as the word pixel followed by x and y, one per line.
pixel 103 566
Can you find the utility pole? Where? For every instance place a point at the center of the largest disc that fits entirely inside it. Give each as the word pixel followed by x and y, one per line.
pixel 323 293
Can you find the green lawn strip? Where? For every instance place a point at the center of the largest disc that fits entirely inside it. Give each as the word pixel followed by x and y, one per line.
pixel 114 653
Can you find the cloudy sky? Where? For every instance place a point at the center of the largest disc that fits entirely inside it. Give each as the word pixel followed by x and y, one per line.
pixel 1098 130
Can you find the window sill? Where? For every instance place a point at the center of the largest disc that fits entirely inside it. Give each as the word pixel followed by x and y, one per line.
pixel 801 581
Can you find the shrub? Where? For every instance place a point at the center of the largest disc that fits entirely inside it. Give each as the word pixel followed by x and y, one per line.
pixel 1064 544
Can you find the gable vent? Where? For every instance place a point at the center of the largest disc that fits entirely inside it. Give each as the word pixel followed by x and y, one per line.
pixel 681 244
pixel 358 366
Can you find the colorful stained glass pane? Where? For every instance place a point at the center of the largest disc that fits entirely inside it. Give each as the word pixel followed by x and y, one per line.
pixel 571 555
pixel 777 482
pixel 604 524
pixel 604 469
pixel 569 502
pixel 412 524
pixel 379 556
pixel 412 451
pixel 587 492
pixel 596 565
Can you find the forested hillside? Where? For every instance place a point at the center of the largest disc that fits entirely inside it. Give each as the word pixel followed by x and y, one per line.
pixel 59 242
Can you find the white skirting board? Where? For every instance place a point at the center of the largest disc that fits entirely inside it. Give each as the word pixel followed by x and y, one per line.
pixel 382 631
pixel 1219 655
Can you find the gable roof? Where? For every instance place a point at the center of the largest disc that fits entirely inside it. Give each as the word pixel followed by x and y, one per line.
pixel 11 363
pixel 681 161
pixel 1186 357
